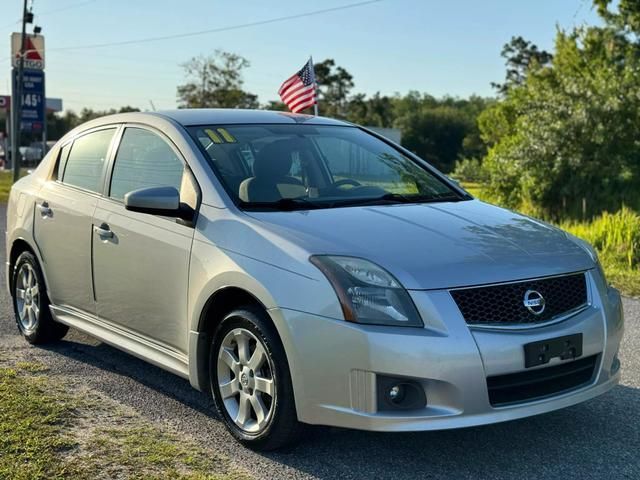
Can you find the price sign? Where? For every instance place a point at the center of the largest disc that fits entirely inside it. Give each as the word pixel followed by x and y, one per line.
pixel 33 99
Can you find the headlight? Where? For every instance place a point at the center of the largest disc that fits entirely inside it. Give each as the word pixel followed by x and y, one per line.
pixel 368 293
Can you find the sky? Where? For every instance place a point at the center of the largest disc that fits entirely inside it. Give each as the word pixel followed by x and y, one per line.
pixel 441 47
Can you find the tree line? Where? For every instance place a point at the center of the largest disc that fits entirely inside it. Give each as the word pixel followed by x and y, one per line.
pixel 441 130
pixel 559 139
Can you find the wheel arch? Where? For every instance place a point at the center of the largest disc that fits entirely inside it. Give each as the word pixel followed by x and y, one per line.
pixel 19 246
pixel 219 303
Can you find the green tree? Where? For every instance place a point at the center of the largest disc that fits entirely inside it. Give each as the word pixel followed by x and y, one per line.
pixel 440 130
pixel 569 131
pixel 435 134
pixel 521 56
pixel 625 19
pixel 275 105
pixel 334 85
pixel 376 111
pixel 215 82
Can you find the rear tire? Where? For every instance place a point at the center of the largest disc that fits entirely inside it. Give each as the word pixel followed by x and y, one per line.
pixel 251 383
pixel 31 303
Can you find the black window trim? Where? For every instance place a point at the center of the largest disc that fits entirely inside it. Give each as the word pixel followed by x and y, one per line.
pixel 59 167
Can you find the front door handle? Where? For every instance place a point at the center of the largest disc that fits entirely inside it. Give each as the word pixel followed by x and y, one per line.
pixel 103 231
pixel 45 211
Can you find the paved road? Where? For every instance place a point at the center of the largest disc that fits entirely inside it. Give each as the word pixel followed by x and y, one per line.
pixel 595 440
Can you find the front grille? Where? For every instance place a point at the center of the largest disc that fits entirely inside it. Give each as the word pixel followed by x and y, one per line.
pixel 540 383
pixel 504 304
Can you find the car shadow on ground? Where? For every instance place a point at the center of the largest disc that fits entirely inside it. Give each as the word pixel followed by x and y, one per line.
pixel 92 352
pixel 568 443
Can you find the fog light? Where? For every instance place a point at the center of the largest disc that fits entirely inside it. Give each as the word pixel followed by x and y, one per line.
pixel 399 394
pixel 396 394
pixel 615 366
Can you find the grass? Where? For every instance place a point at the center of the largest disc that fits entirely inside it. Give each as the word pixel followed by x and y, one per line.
pixel 32 417
pixel 616 238
pixel 49 430
pixel 6 180
pixel 144 452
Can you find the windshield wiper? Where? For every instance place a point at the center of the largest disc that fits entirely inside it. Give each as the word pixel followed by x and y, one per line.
pixel 436 197
pixel 300 203
pixel 286 204
pixel 390 198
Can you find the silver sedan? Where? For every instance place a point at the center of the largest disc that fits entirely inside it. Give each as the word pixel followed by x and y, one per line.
pixel 306 271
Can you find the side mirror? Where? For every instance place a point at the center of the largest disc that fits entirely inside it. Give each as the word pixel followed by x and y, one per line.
pixel 154 200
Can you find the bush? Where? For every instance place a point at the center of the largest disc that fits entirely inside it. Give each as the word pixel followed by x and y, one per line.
pixel 469 170
pixel 565 143
pixel 616 237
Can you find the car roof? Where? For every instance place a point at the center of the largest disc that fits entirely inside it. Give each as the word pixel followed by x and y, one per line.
pixel 204 116
pixel 208 116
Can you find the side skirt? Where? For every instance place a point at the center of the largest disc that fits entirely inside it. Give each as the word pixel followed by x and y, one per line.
pixel 129 342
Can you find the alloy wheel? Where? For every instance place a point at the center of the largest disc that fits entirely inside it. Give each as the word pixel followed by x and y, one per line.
pixel 27 297
pixel 245 380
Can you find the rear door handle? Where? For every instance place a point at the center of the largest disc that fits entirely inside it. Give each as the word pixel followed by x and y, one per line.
pixel 45 211
pixel 103 231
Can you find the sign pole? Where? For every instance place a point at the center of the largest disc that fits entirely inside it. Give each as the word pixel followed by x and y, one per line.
pixel 17 101
pixel 44 134
pixel 8 141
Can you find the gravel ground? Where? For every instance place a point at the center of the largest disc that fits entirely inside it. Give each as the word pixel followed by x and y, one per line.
pixel 594 440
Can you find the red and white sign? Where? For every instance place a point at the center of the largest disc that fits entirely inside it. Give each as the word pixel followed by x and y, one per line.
pixel 34 51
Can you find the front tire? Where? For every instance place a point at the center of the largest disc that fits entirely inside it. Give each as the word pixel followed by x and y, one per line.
pixel 31 303
pixel 251 382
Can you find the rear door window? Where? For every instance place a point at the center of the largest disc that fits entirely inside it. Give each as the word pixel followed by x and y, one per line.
pixel 86 160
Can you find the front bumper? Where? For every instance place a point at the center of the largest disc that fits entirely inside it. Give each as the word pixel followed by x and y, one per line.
pixel 335 365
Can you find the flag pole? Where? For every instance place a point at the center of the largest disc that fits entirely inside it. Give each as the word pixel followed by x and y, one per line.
pixel 315 86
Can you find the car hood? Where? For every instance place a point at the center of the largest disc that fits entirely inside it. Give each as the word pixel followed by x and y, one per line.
pixel 435 245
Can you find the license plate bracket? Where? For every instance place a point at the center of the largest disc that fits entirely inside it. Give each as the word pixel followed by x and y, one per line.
pixel 540 352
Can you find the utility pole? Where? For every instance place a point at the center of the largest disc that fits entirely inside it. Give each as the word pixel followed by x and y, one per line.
pixel 17 100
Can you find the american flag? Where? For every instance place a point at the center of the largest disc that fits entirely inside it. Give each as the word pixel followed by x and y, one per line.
pixel 299 91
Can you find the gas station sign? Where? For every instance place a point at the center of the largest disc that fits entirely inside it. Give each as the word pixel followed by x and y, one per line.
pixel 34 51
pixel 33 99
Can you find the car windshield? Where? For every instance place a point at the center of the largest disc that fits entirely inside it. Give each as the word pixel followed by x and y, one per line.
pixel 287 167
